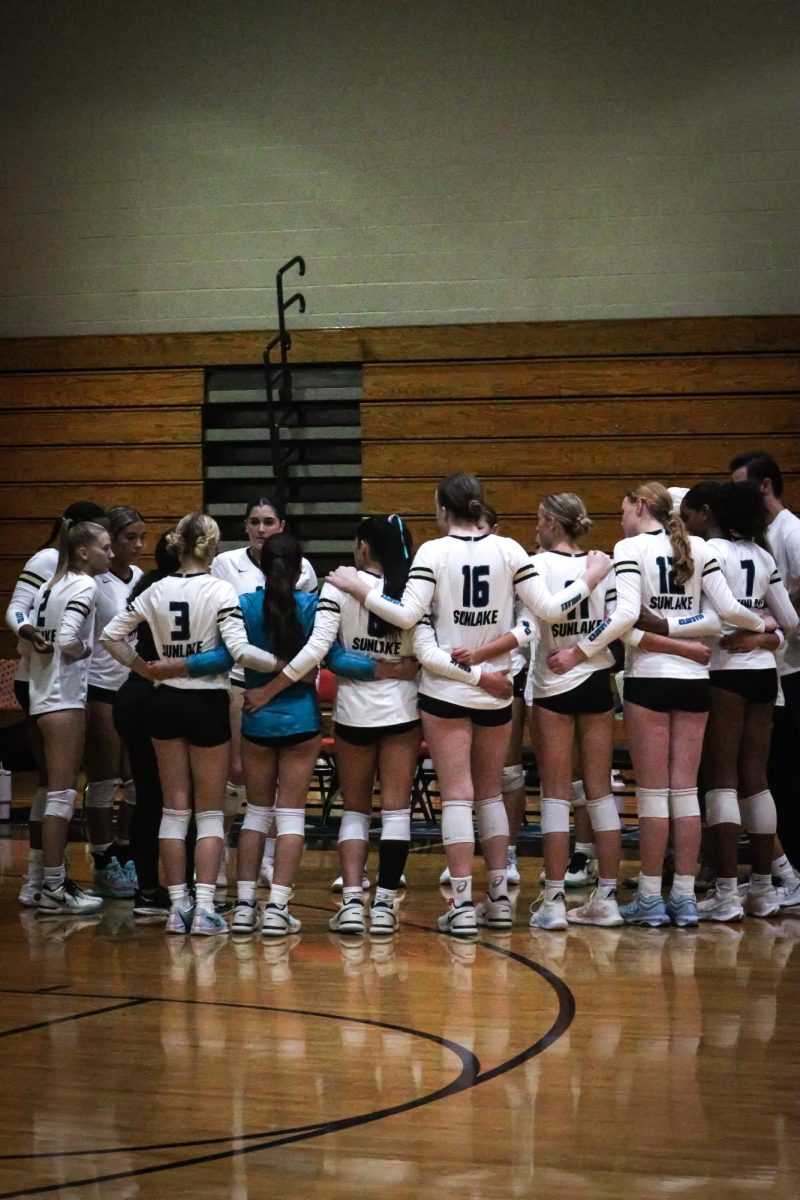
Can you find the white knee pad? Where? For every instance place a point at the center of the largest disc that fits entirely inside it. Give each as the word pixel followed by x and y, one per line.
pixel 396 825
pixel 210 824
pixel 290 820
pixel 513 779
pixel 578 793
pixel 101 795
pixel 683 802
pixel 555 815
pixel 722 807
pixel 603 814
pixel 258 817
pixel 491 818
pixel 457 823
pixel 653 802
pixel 38 804
pixel 759 814
pixel 61 804
pixel 174 824
pixel 354 827
pixel 129 792
pixel 234 795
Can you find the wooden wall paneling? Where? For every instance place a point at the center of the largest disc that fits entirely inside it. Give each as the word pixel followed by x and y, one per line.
pixel 103 389
pixel 97 427
pixel 43 502
pixel 81 465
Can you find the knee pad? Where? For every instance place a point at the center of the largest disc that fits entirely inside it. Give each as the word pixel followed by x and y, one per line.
pixel 38 804
pixel 396 825
pixel 101 795
pixel 759 814
pixel 457 823
pixel 354 827
pixel 722 807
pixel 174 824
pixel 290 820
pixel 61 804
pixel 603 814
pixel 491 818
pixel 554 815
pixel 234 795
pixel 210 824
pixel 258 818
pixel 129 792
pixel 683 802
pixel 578 793
pixel 653 802
pixel 513 779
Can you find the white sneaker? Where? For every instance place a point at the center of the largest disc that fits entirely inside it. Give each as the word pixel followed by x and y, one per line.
pixel 245 917
pixel 222 876
pixel 444 878
pixel 67 900
pixel 208 924
pixel 383 920
pixel 338 884
pixel 494 914
pixel 278 922
pixel 458 921
pixel 720 906
pixel 788 897
pixel 348 918
pixel 598 910
pixel 762 903
pixel 265 871
pixel 29 892
pixel 513 870
pixel 179 920
pixel 549 914
pixel 581 872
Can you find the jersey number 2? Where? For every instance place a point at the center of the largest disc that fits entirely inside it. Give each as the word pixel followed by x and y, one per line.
pixel 180 621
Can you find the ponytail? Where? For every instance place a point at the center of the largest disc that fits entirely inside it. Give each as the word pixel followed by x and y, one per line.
pixel 461 494
pixel 281 561
pixel 390 542
pixel 659 502
pixel 72 535
pixel 80 510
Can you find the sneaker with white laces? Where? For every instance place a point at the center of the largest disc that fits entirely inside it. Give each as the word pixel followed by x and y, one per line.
pixel 208 923
pixel 29 892
pixel 278 922
pixel 549 914
pixel 113 882
pixel 338 884
pixel 720 906
pixel 789 895
pixel 682 910
pixel 383 920
pixel 763 902
pixel 494 914
pixel 245 917
pixel 67 900
pixel 598 910
pixel 581 872
pixel 513 875
pixel 444 878
pixel 348 918
pixel 179 920
pixel 645 910
pixel 458 921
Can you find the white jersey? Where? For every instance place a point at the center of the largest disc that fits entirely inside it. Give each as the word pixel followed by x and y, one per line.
pixel 64 615
pixel 186 614
pixel 245 575
pixel 783 537
pixel 112 597
pixel 643 568
pixel 752 576
pixel 560 569
pixel 468 584
pixel 39 568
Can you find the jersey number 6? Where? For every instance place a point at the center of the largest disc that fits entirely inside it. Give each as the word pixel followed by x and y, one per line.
pixel 476 587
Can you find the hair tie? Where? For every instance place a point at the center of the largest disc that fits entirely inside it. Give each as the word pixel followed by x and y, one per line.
pixel 399 520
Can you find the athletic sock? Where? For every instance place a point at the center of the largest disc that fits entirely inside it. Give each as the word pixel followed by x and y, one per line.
pixel 269 849
pixel 351 895
pixel 179 896
pixel 553 890
pixel 392 857
pixel 280 895
pixel 35 866
pixel 498 883
pixel 727 886
pixel 385 896
pixel 682 885
pixel 512 853
pixel 204 895
pixel 53 877
pixel 649 885
pixel 245 890
pixel 784 871
pixel 760 882
pixel 586 848
pixel 462 889
pixel 606 887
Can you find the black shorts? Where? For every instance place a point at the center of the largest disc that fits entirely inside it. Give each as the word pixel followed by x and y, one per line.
pixel 593 695
pixel 280 743
pixel 756 687
pixel 478 716
pixel 370 735
pixel 669 695
pixel 197 715
pixel 22 691
pixel 520 679
pixel 102 695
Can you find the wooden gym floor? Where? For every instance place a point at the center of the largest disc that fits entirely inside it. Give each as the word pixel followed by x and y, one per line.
pixel 598 1063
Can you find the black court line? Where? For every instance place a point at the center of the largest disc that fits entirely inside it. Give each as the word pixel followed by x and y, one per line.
pixel 95 1012
pixel 564 1018
pixel 54 987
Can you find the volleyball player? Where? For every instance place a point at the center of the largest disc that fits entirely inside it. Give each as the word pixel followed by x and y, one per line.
pixel 189 722
pixel 666 699
pixel 37 570
pixel 106 763
pixel 744 687
pixel 468 581
pixel 63 615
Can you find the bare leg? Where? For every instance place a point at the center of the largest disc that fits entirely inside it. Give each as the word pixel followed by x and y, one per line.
pixel 62 735
pixel 103 760
pixel 649 744
pixel 176 787
pixel 356 767
pixel 515 800
pixel 686 746
pixel 553 738
pixel 596 744
pixel 489 753
pixel 209 770
pixel 721 750
pixel 450 744
pixel 753 756
pixel 260 765
pixel 295 768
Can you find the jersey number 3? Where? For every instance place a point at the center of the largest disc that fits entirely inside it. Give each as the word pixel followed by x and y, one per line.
pixel 179 611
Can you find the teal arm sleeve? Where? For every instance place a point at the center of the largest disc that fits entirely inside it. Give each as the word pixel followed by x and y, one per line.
pixel 210 662
pixel 350 664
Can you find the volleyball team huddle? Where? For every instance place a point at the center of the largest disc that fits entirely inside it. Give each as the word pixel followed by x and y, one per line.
pixel 174 687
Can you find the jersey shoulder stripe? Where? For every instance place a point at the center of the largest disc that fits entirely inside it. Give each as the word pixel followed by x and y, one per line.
pixel 229 612
pixel 31 577
pixel 711 566
pixel 775 577
pixel 421 573
pixel 620 569
pixel 528 571
pixel 78 606
pixel 328 605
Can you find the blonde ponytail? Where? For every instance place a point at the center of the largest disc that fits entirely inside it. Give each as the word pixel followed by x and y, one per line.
pixel 659 502
pixel 72 535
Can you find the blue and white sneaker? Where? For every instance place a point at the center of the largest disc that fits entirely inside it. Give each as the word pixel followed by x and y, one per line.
pixel 645 910
pixel 208 924
pixel 549 914
pixel 682 910
pixel 129 870
pixel 113 882
pixel 179 920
